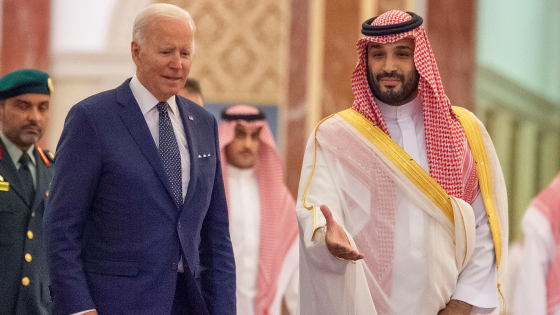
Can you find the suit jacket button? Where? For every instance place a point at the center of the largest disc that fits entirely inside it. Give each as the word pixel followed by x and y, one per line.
pixel 25 281
pixel 30 235
pixel 28 257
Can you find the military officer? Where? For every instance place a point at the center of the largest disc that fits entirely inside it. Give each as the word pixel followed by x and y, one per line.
pixel 25 175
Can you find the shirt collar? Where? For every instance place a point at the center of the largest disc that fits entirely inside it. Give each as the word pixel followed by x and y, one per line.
pixel 15 152
pixel 239 172
pixel 396 112
pixel 146 100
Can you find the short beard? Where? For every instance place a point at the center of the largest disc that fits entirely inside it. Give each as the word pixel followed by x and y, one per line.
pixel 392 96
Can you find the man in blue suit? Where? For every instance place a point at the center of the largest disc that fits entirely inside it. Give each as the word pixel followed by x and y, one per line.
pixel 136 221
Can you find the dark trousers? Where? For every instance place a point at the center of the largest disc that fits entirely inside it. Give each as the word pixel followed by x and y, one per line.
pixel 180 301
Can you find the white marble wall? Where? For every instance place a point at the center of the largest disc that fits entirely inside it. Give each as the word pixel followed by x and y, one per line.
pixel 85 56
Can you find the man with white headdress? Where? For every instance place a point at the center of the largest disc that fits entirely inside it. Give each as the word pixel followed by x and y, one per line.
pixel 263 226
pixel 413 207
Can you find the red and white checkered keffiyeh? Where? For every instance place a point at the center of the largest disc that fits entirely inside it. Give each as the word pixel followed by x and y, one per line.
pixel 450 160
pixel 279 228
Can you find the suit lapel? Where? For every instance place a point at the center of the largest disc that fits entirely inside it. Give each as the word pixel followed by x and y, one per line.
pixel 9 172
pixel 136 124
pixel 190 131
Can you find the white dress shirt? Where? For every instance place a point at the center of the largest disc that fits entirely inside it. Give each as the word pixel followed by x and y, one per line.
pixel 147 103
pixel 477 283
pixel 16 153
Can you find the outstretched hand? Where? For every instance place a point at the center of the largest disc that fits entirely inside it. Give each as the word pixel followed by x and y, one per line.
pixel 336 239
pixel 456 307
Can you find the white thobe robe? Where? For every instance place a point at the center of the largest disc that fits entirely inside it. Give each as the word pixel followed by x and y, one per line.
pixel 245 213
pixel 477 284
pixel 537 255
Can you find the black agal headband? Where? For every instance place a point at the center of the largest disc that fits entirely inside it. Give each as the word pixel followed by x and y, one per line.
pixel 382 30
pixel 246 117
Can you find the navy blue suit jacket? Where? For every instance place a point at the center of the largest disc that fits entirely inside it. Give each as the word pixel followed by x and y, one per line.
pixel 113 234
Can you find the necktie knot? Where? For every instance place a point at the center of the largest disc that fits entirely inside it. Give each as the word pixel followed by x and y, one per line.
pixel 162 107
pixel 24 160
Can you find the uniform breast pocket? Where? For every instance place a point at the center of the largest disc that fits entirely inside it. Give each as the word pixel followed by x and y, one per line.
pixel 6 201
pixel 7 218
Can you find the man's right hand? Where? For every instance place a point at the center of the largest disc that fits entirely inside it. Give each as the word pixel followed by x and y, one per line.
pixel 336 239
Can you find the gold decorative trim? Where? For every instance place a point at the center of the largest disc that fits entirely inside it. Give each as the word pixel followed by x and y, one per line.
pixel 413 171
pixel 314 208
pixel 476 144
pixel 465 233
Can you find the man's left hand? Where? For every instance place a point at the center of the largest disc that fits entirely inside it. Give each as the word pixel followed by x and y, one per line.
pixel 456 307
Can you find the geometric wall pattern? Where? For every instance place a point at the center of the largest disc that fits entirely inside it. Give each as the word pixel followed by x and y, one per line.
pixel 387 5
pixel 241 49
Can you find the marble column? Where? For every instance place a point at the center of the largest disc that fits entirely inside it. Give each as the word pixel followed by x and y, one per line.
pixel 524 178
pixel 341 33
pixel 25 35
pixel 451 31
pixel 322 57
pixel 297 92
pixel 387 5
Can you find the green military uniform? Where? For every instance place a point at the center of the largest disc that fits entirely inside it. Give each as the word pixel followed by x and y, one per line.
pixel 24 280
pixel 23 267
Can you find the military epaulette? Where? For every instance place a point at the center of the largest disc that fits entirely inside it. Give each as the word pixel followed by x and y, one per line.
pixel 46 155
pixel 50 155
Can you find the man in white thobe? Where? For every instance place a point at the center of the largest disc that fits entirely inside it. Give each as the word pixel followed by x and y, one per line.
pixel 400 192
pixel 263 225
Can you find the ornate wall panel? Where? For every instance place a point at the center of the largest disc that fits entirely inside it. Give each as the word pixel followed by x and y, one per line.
pixel 241 49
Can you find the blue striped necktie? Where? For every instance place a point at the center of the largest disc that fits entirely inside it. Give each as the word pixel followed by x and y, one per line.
pixel 169 153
